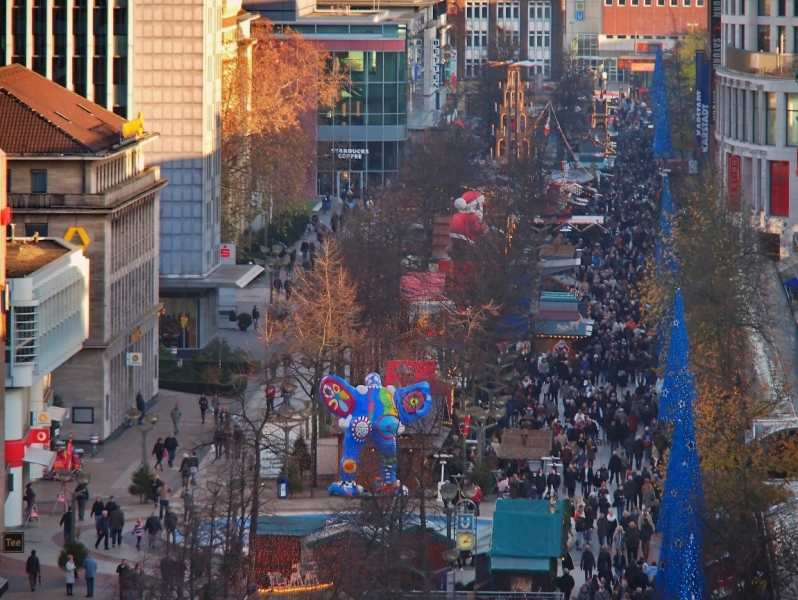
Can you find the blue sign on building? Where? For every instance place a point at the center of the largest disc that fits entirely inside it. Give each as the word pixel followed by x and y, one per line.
pixel 580 15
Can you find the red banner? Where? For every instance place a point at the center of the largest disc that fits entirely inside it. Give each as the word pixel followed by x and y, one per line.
pixel 401 373
pixel 734 169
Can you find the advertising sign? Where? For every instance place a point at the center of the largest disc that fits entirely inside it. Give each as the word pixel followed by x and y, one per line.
pixel 703 87
pixel 14 542
pixel 716 49
pixel 734 170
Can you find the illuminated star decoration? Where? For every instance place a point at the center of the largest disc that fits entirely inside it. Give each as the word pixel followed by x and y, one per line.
pixel 681 575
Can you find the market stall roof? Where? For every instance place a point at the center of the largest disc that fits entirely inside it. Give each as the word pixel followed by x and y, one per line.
pixel 558 265
pixel 526 534
pixel 297 525
pixel 558 297
pixel 422 286
pixel 564 329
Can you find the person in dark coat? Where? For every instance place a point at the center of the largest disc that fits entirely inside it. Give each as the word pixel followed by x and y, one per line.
pixel 566 583
pixel 103 530
pixel 588 562
pixel 158 451
pixel 66 523
pixel 34 569
pixel 97 511
pixel 632 542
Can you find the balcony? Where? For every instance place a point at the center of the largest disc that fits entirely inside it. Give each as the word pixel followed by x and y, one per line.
pixel 762 64
pixel 35 200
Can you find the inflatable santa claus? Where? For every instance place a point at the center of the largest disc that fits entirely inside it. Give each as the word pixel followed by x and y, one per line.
pixel 467 224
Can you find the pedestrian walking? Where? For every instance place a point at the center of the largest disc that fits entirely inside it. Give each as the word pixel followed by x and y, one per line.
pixel 111 506
pixel 152 526
pixel 66 523
pixel 138 532
pixel 90 572
pixel 170 524
pixel 34 570
pixel 30 496
pixel 123 571
pixel 176 415
pixel 117 522
pixel 69 576
pixel 188 502
pixel 216 406
pixel 82 496
pixel 163 496
pixel 218 440
pixel 256 317
pixel 97 510
pixel 271 394
pixel 588 562
pixel 141 406
pixel 103 530
pixel 159 451
pixel 171 445
pixel 155 485
pixel 203 405
pixel 185 469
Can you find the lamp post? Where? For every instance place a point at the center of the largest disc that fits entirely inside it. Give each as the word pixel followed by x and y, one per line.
pixel 80 477
pixel 449 492
pixel 153 418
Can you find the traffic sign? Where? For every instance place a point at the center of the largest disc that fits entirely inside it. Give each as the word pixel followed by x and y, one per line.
pixel 133 359
pixel 580 15
pixel 466 522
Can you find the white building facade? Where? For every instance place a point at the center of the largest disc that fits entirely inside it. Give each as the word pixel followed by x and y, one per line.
pixel 756 120
pixel 48 322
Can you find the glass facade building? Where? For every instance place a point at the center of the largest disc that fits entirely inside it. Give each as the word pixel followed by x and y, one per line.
pixel 361 139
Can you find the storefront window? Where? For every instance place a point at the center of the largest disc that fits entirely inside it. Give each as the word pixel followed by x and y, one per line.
pixel 179 322
pixel 792 119
pixel 755 121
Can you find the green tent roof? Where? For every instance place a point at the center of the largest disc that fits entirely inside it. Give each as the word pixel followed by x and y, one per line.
pixel 299 525
pixel 525 529
pixel 517 564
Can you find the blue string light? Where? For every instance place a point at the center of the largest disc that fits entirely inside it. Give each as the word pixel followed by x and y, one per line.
pixel 665 260
pixel 681 572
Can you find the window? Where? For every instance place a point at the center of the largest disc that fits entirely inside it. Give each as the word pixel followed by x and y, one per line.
pixel 763 8
pixel 43 229
pixel 733 113
pixel 635 2
pixel 795 37
pixel 687 2
pixel 586 45
pixel 607 2
pixel 646 2
pixel 660 2
pixel 780 188
pixel 8 181
pixel 782 8
pixel 770 119
pixel 38 182
pixel 83 414
pixel 674 3
pixel 741 44
pixel 540 37
pixel 755 120
pixel 763 38
pixel 477 35
pixel 742 7
pixel 508 25
pixel 792 119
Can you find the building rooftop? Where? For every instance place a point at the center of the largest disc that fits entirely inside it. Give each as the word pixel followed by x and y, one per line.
pixel 38 116
pixel 26 256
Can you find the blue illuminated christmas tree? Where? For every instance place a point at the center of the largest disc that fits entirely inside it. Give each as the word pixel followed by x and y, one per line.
pixel 665 261
pixel 663 145
pixel 681 572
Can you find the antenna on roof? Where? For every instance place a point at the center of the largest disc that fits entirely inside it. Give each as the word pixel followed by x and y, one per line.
pixel 62 116
pixel 84 108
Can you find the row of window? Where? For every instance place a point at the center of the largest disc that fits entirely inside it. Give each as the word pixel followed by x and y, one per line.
pixel 672 3
pixel 38 181
pixel 741 116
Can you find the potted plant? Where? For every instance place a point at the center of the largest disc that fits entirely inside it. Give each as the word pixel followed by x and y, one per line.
pixel 244 321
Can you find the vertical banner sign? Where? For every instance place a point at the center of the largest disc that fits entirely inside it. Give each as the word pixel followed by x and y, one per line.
pixel 734 170
pixel 436 62
pixel 716 48
pixel 703 86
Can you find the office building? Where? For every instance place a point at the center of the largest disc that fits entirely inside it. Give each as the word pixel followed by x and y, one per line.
pixel 162 59
pixel 756 123
pixel 78 171
pixel 396 55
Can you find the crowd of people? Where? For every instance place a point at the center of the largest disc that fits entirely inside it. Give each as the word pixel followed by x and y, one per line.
pixel 601 391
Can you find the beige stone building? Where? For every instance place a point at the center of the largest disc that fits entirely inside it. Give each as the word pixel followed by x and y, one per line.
pixel 78 171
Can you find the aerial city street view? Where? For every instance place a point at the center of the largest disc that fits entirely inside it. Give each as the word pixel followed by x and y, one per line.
pixel 480 300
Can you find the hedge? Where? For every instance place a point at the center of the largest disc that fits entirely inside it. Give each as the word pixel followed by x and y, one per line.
pixel 236 388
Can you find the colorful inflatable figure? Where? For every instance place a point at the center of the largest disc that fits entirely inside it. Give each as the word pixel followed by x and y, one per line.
pixel 371 411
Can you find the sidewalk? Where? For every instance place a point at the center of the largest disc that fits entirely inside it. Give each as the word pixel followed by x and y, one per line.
pixel 111 473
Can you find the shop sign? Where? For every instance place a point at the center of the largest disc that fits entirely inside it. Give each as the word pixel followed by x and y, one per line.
pixel 14 542
pixel 436 62
pixel 351 153
pixel 703 86
pixel 734 175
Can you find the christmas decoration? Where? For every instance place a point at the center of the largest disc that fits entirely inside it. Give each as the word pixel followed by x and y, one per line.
pixel 374 412
pixel 681 573
pixel 665 260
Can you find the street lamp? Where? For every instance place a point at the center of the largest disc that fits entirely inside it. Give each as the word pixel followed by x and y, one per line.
pixel 80 477
pixel 449 492
pixel 152 418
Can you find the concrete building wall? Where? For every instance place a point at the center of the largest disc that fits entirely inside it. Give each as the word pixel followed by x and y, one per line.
pixel 177 70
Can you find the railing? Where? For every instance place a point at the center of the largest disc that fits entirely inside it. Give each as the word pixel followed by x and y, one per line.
pixel 765 64
pixel 35 200
pixel 458 595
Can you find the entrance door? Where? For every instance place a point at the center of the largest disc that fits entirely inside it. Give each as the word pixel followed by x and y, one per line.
pixel 350 181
